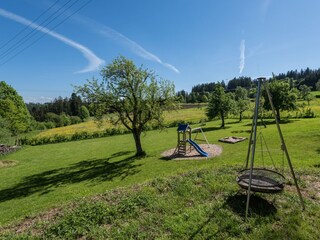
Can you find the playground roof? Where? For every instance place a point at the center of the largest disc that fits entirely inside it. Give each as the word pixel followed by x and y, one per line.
pixel 183 127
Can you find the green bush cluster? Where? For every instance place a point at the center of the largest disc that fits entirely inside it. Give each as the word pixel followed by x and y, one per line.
pixel 306 113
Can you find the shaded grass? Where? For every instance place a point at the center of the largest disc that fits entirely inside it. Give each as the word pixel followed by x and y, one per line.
pixel 201 204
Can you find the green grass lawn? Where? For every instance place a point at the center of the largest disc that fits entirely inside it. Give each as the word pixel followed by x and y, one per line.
pixel 56 175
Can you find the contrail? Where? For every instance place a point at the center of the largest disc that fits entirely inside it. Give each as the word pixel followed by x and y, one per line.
pixel 94 61
pixel 242 57
pixel 133 46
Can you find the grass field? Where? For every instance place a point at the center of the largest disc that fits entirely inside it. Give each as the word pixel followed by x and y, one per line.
pixel 182 198
pixel 193 113
pixel 188 115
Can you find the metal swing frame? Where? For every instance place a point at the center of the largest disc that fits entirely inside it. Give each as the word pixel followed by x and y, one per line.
pixel 251 179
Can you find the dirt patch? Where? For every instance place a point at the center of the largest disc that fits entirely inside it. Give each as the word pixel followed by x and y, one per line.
pixel 7 163
pixel 310 188
pixel 30 223
pixel 192 154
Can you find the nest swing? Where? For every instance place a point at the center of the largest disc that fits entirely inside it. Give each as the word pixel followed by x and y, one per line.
pixel 263 180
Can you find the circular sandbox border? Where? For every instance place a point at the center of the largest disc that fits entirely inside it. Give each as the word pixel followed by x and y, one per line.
pixel 211 149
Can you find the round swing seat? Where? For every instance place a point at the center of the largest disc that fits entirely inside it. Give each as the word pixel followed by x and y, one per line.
pixel 263 180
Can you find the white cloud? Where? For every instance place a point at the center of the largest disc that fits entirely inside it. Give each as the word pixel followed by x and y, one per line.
pixel 242 56
pixel 40 99
pixel 94 61
pixel 134 47
pixel 113 34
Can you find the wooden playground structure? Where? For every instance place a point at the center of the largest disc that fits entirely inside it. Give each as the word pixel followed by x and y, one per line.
pixel 184 132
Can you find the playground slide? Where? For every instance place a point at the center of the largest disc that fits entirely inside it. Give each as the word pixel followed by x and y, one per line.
pixel 198 148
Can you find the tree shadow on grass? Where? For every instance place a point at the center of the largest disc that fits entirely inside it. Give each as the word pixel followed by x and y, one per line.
pixel 91 170
pixel 241 131
pixel 208 129
pixel 267 122
pixel 237 203
pixel 258 205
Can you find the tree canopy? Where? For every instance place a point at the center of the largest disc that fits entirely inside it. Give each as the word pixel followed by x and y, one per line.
pixel 13 110
pixel 242 101
pixel 283 97
pixel 132 93
pixel 220 104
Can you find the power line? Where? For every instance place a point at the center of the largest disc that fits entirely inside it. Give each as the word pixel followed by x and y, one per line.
pixel 39 38
pixel 26 27
pixel 34 30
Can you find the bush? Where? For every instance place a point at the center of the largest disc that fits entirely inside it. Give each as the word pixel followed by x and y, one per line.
pixel 80 136
pixel 75 119
pixel 38 125
pixel 84 113
pixel 50 125
pixel 309 113
pixel 64 120
pixel 52 117
pixel 306 113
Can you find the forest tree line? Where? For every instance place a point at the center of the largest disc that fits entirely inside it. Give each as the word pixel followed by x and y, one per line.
pixel 200 93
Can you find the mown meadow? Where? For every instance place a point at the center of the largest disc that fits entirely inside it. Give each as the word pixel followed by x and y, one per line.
pixel 97 189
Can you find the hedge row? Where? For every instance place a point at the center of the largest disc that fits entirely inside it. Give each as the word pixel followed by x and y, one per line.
pixel 89 135
pixel 76 136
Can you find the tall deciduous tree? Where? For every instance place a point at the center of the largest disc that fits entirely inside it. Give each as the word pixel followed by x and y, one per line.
pixel 283 97
pixel 13 110
pixel 242 101
pixel 220 104
pixel 133 93
pixel 4 131
pixel 305 93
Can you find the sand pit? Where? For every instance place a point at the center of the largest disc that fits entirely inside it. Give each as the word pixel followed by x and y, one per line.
pixel 211 149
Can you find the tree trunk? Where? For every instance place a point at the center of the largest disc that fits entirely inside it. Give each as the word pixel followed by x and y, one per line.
pixel 240 117
pixel 222 120
pixel 278 114
pixel 136 135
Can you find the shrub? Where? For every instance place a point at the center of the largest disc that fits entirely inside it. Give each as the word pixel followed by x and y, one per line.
pixel 52 117
pixel 64 120
pixel 50 125
pixel 309 113
pixel 75 119
pixel 84 112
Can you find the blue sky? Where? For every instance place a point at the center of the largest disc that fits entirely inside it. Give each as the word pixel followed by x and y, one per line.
pixel 188 42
